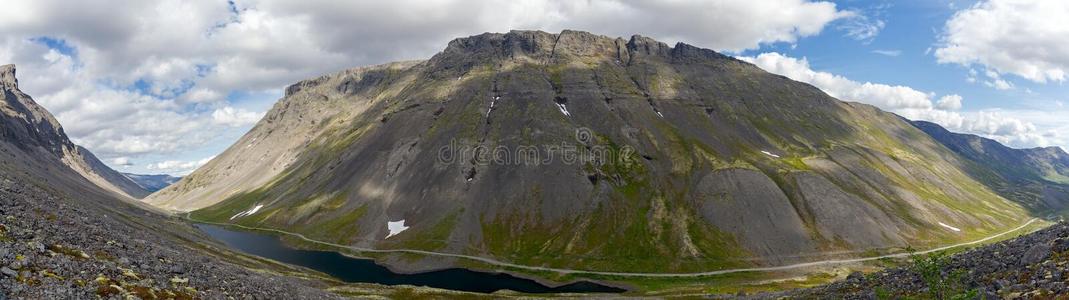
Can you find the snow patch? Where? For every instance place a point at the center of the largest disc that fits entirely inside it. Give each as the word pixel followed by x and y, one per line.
pixel 770 154
pixel 660 115
pixel 248 212
pixel 949 227
pixel 395 227
pixel 563 109
pixel 492 105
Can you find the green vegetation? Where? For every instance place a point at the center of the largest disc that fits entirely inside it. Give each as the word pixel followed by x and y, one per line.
pixel 942 282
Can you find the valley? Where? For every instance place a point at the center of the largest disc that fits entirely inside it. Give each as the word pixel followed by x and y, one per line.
pixel 565 164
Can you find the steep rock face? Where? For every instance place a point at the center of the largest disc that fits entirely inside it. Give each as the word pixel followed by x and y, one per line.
pixel 711 162
pixel 32 139
pixel 1037 177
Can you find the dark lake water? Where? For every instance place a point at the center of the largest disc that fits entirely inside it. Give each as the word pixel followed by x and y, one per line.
pixel 350 269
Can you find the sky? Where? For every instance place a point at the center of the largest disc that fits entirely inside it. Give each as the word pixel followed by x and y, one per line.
pixel 163 86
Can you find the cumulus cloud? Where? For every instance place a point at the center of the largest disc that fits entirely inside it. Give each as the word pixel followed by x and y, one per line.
pixel 178 167
pixel 1011 37
pixel 152 78
pixel 1007 127
pixel 230 116
pixel 122 161
pixel 949 102
pixel 885 96
pixel 1004 126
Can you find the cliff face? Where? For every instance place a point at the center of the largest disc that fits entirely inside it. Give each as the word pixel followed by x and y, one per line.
pixel 34 142
pixel 708 162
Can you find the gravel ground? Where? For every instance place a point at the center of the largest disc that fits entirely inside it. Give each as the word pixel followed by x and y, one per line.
pixel 1034 266
pixel 53 247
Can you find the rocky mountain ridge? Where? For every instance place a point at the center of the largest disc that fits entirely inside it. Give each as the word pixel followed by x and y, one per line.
pixel 721 164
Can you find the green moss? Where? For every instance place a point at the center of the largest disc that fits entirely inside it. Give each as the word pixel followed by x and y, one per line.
pixel 341 228
pixel 222 211
pixel 434 238
pixel 795 162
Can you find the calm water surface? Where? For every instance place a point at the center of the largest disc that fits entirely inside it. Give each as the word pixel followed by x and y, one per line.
pixel 350 269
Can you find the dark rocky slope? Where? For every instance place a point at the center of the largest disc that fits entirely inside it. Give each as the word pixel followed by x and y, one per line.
pixel 1033 266
pixel 56 247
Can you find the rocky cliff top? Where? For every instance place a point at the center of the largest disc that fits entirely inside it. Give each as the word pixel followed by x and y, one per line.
pixel 568 45
pixel 7 76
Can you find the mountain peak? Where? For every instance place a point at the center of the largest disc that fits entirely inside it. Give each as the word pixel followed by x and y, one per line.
pixel 532 46
pixel 7 76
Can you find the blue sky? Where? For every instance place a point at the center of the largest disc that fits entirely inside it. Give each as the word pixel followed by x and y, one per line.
pixel 163 86
pixel 912 29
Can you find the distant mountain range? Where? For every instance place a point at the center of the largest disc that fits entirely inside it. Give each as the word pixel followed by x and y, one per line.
pixel 152 183
pixel 716 163
pixel 1037 177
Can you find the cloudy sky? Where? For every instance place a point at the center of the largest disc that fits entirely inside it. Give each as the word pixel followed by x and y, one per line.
pixel 163 86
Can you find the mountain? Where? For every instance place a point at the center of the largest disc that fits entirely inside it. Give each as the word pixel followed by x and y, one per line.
pixel 152 183
pixel 32 141
pixel 72 231
pixel 1039 177
pixel 581 151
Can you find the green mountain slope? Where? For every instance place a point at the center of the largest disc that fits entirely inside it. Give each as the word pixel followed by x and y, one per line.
pixel 711 162
pixel 1037 177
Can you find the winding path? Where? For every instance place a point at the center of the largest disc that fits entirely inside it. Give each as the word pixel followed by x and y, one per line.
pixel 622 274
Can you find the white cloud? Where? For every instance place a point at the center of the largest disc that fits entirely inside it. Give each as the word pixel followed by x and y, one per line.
pixel 1005 126
pixel 861 28
pixel 152 78
pixel 949 102
pixel 230 116
pixel 122 161
pixel 891 53
pixel 178 167
pixel 994 80
pixel 1019 37
pixel 882 95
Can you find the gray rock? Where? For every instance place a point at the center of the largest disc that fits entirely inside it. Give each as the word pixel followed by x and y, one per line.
pixel 8 272
pixel 1036 254
pixel 37 246
pixel 986 294
pixel 855 276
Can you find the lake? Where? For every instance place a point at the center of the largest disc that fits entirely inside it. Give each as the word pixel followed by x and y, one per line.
pixel 351 269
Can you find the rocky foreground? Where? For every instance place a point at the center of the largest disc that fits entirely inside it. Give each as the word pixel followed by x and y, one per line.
pixel 53 247
pixel 1028 267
